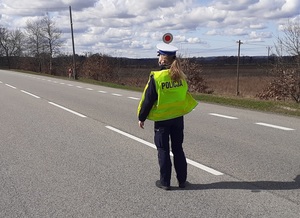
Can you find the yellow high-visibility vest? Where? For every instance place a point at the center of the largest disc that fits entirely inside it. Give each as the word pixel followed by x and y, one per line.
pixel 173 101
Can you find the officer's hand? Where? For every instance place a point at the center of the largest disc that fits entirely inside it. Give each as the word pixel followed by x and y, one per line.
pixel 141 124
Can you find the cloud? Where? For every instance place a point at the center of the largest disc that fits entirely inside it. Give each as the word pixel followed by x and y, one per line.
pixel 138 25
pixel 259 36
pixel 234 5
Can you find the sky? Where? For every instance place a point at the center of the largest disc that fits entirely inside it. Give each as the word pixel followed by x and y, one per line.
pixel 133 28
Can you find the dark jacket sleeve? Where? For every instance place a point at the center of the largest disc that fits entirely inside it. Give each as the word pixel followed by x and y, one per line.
pixel 150 99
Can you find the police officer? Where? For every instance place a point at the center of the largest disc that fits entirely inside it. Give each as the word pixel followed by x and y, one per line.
pixel 165 100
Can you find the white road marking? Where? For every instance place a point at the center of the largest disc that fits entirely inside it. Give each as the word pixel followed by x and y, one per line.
pixel 62 83
pixel 193 163
pixel 102 92
pixel 89 89
pixel 28 93
pixel 70 85
pixel 133 98
pixel 116 94
pixel 10 86
pixel 1 82
pixel 80 87
pixel 223 116
pixel 66 109
pixel 274 126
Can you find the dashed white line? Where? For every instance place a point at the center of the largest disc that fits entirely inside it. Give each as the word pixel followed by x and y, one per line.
pixel 193 163
pixel 66 109
pixel 133 98
pixel 223 116
pixel 1 82
pixel 275 126
pixel 10 86
pixel 28 93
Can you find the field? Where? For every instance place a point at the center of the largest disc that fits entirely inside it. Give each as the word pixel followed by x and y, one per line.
pixel 223 80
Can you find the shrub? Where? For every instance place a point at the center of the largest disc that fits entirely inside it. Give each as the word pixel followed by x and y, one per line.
pixel 195 80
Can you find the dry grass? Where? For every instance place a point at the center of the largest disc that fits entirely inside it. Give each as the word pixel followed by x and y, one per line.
pixel 249 86
pixel 223 80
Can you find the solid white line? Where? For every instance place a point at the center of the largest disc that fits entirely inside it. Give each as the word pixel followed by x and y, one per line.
pixel 274 126
pixel 223 116
pixel 28 93
pixel 116 94
pixel 193 163
pixel 10 86
pixel 203 167
pixel 66 109
pixel 134 98
pixel 132 137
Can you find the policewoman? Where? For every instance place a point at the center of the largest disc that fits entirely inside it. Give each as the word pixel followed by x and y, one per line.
pixel 166 100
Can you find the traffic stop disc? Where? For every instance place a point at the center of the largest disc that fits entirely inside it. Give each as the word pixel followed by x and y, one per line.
pixel 167 38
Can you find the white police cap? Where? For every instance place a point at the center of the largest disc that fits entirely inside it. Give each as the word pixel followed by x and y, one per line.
pixel 166 49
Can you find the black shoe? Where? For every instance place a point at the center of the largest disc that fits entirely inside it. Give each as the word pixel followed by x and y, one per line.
pixel 182 185
pixel 159 185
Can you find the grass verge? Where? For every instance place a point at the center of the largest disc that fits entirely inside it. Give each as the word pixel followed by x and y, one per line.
pixel 287 108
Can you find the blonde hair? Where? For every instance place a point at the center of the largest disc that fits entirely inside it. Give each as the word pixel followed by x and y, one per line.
pixel 173 64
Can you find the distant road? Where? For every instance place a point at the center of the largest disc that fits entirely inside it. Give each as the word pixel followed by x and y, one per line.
pixel 70 149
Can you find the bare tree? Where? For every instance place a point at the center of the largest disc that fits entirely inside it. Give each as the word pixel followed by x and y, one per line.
pixel 52 36
pixel 286 85
pixel 291 38
pixel 35 40
pixel 11 43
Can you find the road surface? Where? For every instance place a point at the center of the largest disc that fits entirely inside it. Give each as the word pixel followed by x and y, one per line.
pixel 70 149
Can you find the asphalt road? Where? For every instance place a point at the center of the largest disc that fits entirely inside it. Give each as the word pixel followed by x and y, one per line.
pixel 70 149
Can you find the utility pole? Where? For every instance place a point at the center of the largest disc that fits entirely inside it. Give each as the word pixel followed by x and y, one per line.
pixel 74 63
pixel 269 49
pixel 237 69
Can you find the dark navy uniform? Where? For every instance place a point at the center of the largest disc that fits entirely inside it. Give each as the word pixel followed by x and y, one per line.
pixel 164 131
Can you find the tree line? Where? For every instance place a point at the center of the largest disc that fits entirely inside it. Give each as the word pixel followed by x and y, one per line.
pixel 37 49
pixel 41 40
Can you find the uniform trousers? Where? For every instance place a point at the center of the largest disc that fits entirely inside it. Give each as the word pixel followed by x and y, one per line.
pixel 164 131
